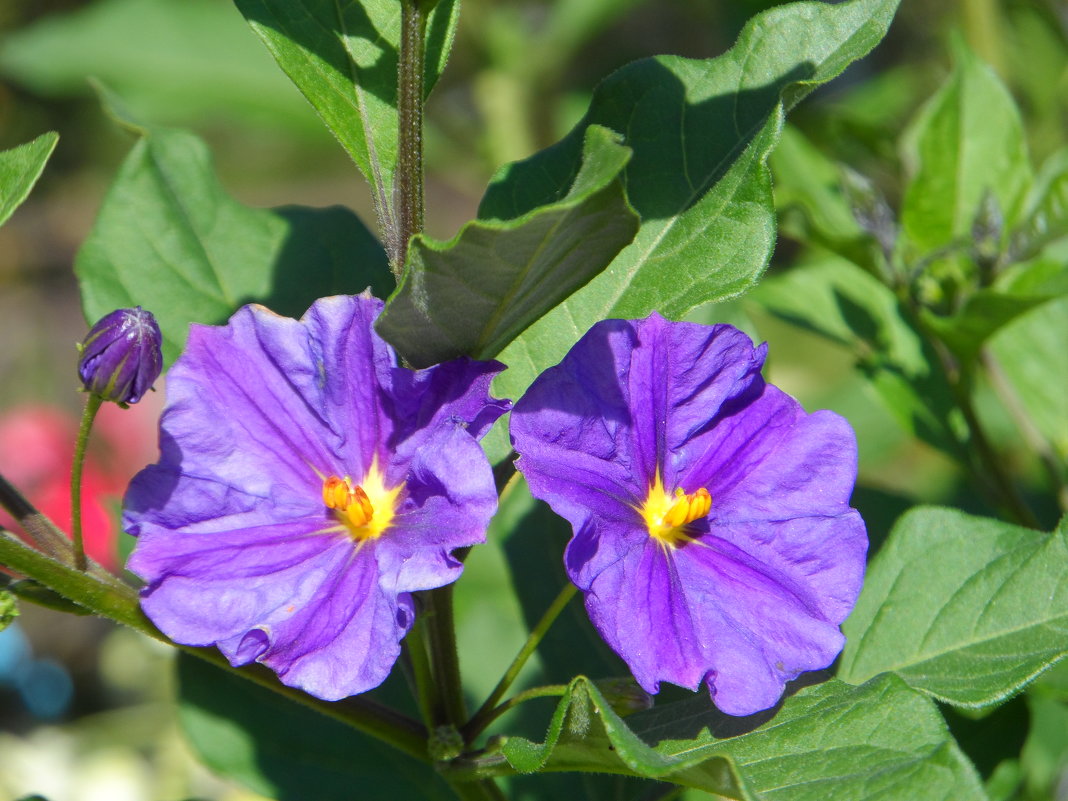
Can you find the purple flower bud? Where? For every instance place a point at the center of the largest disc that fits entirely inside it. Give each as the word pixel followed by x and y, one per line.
pixel 121 356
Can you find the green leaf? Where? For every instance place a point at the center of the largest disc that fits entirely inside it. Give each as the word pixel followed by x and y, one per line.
pixel 286 751
pixel 9 608
pixel 843 303
pixel 832 741
pixel 1031 354
pixel 967 609
pixel 343 58
pixel 174 60
pixel 701 132
pixel 475 294
pixel 814 208
pixel 1047 212
pixel 169 238
pixel 983 314
pixel 968 140
pixel 20 167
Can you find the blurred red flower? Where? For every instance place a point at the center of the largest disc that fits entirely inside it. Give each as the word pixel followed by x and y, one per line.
pixel 36 450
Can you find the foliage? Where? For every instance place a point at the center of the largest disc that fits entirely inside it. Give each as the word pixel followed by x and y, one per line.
pixel 941 283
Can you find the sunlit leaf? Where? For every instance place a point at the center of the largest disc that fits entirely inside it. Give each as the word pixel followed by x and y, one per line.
pixel 20 167
pixel 968 609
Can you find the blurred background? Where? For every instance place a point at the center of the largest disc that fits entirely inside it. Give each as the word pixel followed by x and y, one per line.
pixel 83 707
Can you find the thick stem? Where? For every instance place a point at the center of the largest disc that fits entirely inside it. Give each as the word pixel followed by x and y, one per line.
pixel 444 660
pixel 409 178
pixel 422 675
pixel 487 712
pixel 92 406
pixel 119 603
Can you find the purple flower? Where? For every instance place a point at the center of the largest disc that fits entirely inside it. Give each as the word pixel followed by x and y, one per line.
pixel 714 540
pixel 120 356
pixel 307 486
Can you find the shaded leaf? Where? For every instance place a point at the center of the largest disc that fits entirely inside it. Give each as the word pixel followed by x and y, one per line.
pixel 343 58
pixel 286 751
pixel 842 302
pixel 473 295
pixel 967 609
pixel 701 132
pixel 813 206
pixel 169 238
pixel 20 167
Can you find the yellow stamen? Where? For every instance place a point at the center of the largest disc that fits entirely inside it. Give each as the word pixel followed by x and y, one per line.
pixel 366 509
pixel 668 515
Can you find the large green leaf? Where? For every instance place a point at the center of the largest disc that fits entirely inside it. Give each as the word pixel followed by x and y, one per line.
pixel 472 296
pixel 343 58
pixel 20 167
pixel 701 132
pixel 966 142
pixel 829 742
pixel 965 608
pixel 169 238
pixel 286 751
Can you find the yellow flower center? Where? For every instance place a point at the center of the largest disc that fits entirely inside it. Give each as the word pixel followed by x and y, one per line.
pixel 366 509
pixel 667 515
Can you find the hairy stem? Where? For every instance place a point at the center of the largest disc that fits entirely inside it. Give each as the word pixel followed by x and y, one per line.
pixel 42 531
pixel 488 711
pixel 92 406
pixel 409 179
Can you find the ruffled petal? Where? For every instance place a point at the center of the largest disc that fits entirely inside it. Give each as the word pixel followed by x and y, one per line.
pixel 756 595
pixel 709 611
pixel 450 499
pixel 243 405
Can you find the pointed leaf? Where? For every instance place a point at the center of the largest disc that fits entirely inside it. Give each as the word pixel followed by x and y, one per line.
pixel 701 132
pixel 967 609
pixel 475 294
pixel 967 141
pixel 169 238
pixel 20 167
pixel 879 741
pixel 343 58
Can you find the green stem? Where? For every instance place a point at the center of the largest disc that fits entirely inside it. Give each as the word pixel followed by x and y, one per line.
pixel 119 603
pixel 487 712
pixel 444 660
pixel 545 691
pixel 425 689
pixel 92 406
pixel 44 533
pixel 409 178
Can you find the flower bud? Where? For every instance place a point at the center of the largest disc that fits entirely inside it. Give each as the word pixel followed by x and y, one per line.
pixel 121 356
